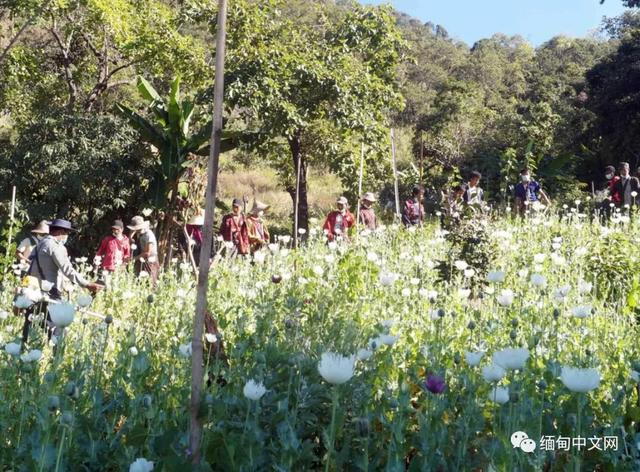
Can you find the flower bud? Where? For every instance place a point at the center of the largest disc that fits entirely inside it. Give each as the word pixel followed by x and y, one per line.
pixel 556 313
pixel 109 319
pixel 456 358
pixel 67 418
pixel 150 298
pixel 513 335
pixel 471 325
pixel 514 322
pixel 441 312
pixel 53 403
pixel 147 401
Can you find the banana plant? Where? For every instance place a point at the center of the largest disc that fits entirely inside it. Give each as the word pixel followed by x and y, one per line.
pixel 169 133
pixel 168 130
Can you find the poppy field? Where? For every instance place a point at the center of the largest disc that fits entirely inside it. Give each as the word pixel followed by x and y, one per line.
pixel 495 345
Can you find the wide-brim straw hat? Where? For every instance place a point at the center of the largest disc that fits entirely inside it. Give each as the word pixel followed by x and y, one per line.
pixel 137 223
pixel 369 197
pixel 196 220
pixel 42 227
pixel 342 200
pixel 258 207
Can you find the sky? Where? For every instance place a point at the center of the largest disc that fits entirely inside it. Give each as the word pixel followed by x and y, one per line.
pixel 536 20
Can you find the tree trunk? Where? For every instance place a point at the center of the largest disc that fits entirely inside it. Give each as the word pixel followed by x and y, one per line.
pixel 295 145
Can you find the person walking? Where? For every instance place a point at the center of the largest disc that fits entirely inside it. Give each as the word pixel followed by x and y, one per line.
pixel 28 244
pixel 233 229
pixel 257 231
pixel 367 213
pixel 627 187
pixel 50 264
pixel 528 192
pixel 473 194
pixel 192 237
pixel 146 248
pixel 413 212
pixel 339 221
pixel 114 250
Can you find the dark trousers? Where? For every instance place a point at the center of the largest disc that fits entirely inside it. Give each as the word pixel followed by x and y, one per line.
pixel 33 310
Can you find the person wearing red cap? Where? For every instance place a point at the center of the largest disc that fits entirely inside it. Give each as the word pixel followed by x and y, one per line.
pixel 114 250
pixel 339 221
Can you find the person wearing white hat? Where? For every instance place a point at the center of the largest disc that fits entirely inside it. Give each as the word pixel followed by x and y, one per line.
pixel 194 236
pixel 27 245
pixel 146 248
pixel 339 221
pixel 367 213
pixel 114 249
pixel 257 230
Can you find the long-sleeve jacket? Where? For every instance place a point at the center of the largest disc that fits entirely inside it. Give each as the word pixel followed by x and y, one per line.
pixel 413 213
pixel 51 263
pixel 114 252
pixel 235 231
pixel 338 224
pixel 257 232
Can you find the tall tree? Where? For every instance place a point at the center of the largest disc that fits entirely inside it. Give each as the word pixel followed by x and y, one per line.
pixel 286 78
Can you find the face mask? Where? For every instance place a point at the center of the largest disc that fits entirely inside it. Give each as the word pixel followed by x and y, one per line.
pixel 260 213
pixel 64 239
pixel 609 176
pixel 526 178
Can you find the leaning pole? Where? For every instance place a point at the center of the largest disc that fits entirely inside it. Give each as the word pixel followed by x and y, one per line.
pixel 197 370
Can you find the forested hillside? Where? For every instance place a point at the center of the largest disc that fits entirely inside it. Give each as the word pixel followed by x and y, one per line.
pixel 307 80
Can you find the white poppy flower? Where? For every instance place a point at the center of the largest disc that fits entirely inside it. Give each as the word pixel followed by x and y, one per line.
pixel 499 395
pixel 12 349
pixel 388 278
pixel 62 314
pixel 4 315
pixel 539 258
pixel 185 350
pixel 21 302
pixel 254 390
pixel 581 311
pixel 460 265
pixel 211 338
pixel 141 464
pixel 493 373
pixel 584 287
pixel 364 354
pixel 495 277
pixel 511 359
pixel 259 257
pixel 336 369
pixel 506 297
pixel 84 300
pixel 538 281
pixel 580 380
pixel 473 358
pixel 133 351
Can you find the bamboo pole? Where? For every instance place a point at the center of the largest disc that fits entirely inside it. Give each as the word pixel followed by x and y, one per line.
pixel 296 206
pixel 360 186
pixel 395 172
pixel 11 218
pixel 197 369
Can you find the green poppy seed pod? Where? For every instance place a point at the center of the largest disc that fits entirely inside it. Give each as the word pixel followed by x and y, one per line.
pixel 456 358
pixel 636 366
pixel 441 312
pixel 588 352
pixel 542 385
pixel 362 427
pixel 536 339
pixel 150 298
pixel 514 322
pixel 147 401
pixel 208 399
pixel 67 418
pixel 53 403
pixel 572 419
pixel 514 397
pixel 513 335
pixel 69 388
pixel 108 319
pixel 288 323
pixel 393 403
pixel 471 325
pixel 85 321
pixel 49 377
pixel 556 313
pixel 1 287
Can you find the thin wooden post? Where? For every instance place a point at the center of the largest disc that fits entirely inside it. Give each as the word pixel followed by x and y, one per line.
pixel 11 218
pixel 197 368
pixel 395 173
pixel 296 208
pixel 360 176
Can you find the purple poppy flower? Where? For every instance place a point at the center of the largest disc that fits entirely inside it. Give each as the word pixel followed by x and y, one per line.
pixel 435 384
